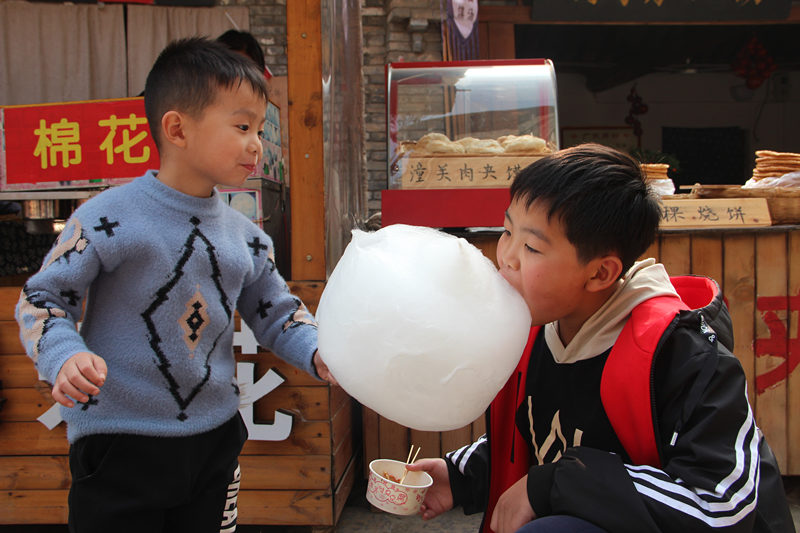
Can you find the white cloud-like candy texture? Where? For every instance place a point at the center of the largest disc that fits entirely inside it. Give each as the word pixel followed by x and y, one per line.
pixel 420 327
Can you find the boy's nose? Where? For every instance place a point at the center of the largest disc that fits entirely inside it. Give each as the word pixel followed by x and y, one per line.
pixel 506 258
pixel 256 146
pixel 511 263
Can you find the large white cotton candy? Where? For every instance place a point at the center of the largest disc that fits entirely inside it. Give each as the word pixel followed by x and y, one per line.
pixel 419 326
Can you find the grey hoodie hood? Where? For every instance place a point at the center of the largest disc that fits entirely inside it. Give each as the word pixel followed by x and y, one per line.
pixel 645 279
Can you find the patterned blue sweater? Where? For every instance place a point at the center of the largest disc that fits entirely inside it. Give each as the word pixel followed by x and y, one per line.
pixel 162 274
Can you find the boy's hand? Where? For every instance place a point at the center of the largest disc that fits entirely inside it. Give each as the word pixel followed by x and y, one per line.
pixel 82 375
pixel 322 369
pixel 513 509
pixel 439 497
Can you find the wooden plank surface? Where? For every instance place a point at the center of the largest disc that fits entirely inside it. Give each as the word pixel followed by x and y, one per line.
pixel 23 405
pixel 738 275
pixel 281 507
pixel 304 72
pixel 292 375
pixel 17 371
pixel 32 438
pixel 312 438
pixel 793 381
pixel 771 342
pixel 306 472
pixel 34 472
pixel 478 428
pixel 33 507
pixel 342 455
pixel 258 472
pixel 370 428
pixel 429 441
pixel 676 254
pixel 394 440
pixel 308 291
pixel 342 423
pixel 305 403
pixel 344 488
pixel 285 507
pixel 707 257
pixel 446 171
pixel 9 338
pixel 455 439
pixel 706 213
pixel 8 301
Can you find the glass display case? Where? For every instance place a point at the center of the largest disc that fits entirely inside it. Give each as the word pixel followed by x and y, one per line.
pixel 468 124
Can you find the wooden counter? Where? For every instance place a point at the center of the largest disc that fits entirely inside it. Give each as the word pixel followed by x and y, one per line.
pixel 759 272
pixel 303 480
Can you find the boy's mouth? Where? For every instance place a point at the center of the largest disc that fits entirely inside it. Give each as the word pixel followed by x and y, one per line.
pixel 250 168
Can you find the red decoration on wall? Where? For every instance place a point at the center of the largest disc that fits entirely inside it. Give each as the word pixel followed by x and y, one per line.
pixel 753 63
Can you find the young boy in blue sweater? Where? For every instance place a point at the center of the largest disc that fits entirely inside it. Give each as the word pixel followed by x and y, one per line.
pixel 148 386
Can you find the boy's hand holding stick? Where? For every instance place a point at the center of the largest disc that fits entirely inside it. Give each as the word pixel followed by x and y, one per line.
pixel 410 461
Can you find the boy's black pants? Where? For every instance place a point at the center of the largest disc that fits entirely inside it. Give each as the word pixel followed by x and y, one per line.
pixel 123 483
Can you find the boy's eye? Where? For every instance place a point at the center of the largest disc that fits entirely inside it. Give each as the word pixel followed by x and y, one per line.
pixel 531 249
pixel 243 127
pixel 261 134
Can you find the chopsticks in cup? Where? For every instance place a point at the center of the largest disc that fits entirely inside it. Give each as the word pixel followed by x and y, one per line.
pixel 409 461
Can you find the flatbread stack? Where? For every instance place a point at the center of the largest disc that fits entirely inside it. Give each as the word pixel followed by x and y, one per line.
pixel 655 174
pixel 655 171
pixel 770 164
pixel 438 143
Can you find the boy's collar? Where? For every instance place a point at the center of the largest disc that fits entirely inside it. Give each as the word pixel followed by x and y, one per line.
pixel 646 279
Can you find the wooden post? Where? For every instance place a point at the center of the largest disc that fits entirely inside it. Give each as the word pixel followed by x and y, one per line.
pixel 306 161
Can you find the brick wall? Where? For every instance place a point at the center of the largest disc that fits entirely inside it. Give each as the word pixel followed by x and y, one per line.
pixel 268 25
pixel 393 30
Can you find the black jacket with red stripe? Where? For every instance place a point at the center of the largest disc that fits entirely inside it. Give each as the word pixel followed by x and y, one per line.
pixel 669 444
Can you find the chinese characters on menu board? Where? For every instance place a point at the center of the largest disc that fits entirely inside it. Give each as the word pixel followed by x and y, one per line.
pixel 714 212
pixel 451 172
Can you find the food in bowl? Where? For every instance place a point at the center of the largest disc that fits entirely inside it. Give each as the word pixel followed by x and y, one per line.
pixel 389 495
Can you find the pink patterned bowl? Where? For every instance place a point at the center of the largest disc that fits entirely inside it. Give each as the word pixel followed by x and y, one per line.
pixel 393 497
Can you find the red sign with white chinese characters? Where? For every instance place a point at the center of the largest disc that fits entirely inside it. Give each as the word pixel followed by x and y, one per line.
pixel 76 141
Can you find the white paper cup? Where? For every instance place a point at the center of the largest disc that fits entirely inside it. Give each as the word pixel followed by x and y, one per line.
pixel 393 497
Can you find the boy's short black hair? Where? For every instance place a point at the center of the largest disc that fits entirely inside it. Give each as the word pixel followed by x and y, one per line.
pixel 188 74
pixel 600 197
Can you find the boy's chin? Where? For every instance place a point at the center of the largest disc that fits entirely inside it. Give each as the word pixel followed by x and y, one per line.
pixel 234 182
pixel 537 320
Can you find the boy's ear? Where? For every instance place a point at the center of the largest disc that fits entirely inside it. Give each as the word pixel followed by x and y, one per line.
pixel 173 126
pixel 607 270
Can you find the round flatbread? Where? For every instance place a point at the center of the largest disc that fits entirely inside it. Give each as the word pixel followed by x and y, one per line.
pixel 480 146
pixel 444 147
pixel 428 137
pixel 525 144
pixel 772 153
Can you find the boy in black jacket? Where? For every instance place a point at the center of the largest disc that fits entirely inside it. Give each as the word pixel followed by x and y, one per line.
pixel 627 413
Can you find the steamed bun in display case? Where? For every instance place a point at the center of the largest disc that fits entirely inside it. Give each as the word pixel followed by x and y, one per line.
pixel 419 326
